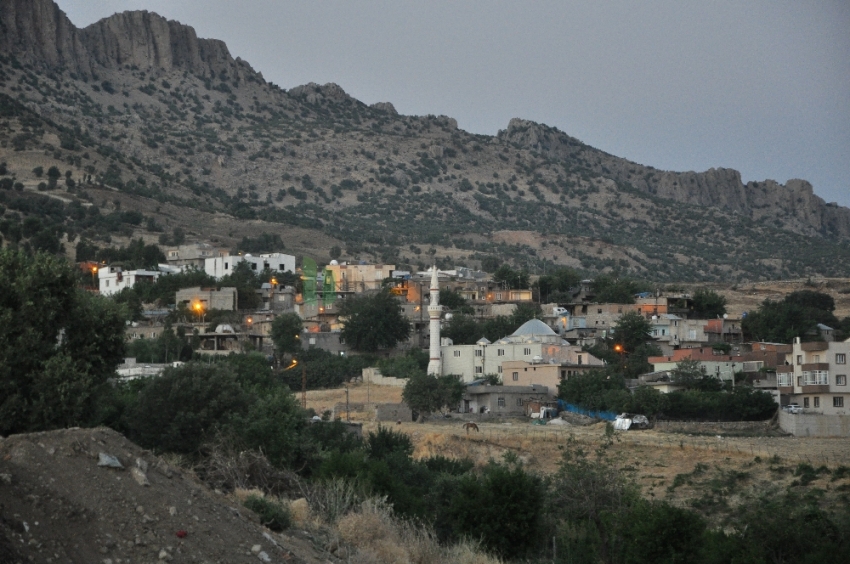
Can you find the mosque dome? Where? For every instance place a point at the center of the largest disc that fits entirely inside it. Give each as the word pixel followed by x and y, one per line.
pixel 533 327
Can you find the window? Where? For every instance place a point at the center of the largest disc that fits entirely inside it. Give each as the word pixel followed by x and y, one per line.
pixel 479 370
pixel 692 334
pixel 838 401
pixel 783 379
pixel 515 376
pixel 519 402
pixel 226 266
pixel 817 402
pixel 799 359
pixel 526 351
pixel 599 310
pixel 816 358
pixel 840 358
pixel 816 378
pixel 479 352
pixel 499 369
pixel 498 296
pixel 841 380
pixel 500 352
pixel 806 402
pixel 500 402
pixel 580 359
pixel 457 354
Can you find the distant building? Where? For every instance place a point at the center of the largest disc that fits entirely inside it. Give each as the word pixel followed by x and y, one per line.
pixel 218 267
pixel 816 377
pixel 224 299
pixel 357 278
pixel 505 401
pixel 113 279
pixel 193 254
pixel 533 342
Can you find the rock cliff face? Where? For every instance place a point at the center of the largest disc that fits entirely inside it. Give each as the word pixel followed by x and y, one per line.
pixel 37 31
pixel 794 204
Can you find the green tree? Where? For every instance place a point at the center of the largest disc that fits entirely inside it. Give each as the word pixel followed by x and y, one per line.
pixel 613 290
pixel 58 345
pixel 797 315
pixel 426 393
pixel 632 331
pixel 454 302
pixel 514 279
pixel 462 329
pixel 286 333
pixel 373 322
pixel 692 375
pixel 708 304
pixel 555 287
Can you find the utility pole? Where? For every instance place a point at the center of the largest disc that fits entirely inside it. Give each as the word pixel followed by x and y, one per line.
pixel 303 386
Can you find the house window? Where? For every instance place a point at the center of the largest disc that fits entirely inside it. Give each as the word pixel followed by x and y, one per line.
pixel 457 354
pixel 500 352
pixel 498 296
pixel 817 358
pixel 501 402
pixel 499 369
pixel 515 376
pixel 619 310
pixel 799 359
pixel 806 402
pixel 107 283
pixel 479 352
pixel 312 340
pixel 563 374
pixel 599 310
pixel 783 379
pixel 479 370
pixel 253 266
pixel 526 351
pixel 838 401
pixel 840 358
pixel 519 402
pixel 841 380
pixel 817 402
pixel 226 266
pixel 816 378
pixel 692 334
pixel 580 359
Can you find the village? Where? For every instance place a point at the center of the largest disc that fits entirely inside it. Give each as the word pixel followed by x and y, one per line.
pixel 517 375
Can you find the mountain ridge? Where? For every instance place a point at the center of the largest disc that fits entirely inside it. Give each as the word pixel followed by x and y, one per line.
pixel 153 116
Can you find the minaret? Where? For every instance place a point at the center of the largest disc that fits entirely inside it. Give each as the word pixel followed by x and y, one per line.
pixel 435 365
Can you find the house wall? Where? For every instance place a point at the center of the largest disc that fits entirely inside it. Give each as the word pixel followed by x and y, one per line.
pixel 218 267
pixel 223 299
pixel 393 412
pixel 514 400
pixel 109 283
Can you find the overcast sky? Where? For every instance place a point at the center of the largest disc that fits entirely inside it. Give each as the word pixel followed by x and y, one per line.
pixel 762 86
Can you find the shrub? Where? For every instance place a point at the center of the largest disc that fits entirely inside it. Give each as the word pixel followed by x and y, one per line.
pixel 275 516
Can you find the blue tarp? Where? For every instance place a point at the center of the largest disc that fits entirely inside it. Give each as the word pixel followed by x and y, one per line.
pixel 606 415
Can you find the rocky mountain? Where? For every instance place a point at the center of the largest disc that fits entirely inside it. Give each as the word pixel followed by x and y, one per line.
pixel 152 128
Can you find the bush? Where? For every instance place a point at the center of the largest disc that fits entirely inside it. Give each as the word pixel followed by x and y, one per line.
pixel 275 516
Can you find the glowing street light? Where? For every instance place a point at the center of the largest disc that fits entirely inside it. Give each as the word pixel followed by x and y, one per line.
pixel 199 309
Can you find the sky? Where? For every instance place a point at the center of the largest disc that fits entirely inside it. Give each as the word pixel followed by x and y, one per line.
pixel 761 86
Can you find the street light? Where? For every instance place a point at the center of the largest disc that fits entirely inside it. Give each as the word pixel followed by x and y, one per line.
pixel 93 275
pixel 619 349
pixel 199 309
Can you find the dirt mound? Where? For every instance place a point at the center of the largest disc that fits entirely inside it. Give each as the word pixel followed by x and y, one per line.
pixel 90 495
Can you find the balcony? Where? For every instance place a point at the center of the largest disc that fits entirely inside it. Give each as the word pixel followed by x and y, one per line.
pixel 814 389
pixel 815 367
pixel 815 346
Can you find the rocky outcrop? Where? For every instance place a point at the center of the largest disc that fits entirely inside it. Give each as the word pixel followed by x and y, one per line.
pixel 792 205
pixel 39 32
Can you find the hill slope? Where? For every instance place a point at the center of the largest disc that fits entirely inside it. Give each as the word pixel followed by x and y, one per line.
pixel 152 120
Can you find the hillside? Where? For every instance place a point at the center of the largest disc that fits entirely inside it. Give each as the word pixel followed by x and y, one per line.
pixel 160 129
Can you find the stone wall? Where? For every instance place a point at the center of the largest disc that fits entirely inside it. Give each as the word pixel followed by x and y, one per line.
pixel 714 427
pixel 393 412
pixel 374 376
pixel 814 424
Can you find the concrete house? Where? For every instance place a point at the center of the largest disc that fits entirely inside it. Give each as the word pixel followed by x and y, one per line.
pixel 533 342
pixel 113 279
pixel 816 377
pixel 218 267
pixel 208 298
pixel 505 401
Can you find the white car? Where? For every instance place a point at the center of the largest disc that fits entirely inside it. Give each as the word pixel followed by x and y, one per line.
pixel 793 408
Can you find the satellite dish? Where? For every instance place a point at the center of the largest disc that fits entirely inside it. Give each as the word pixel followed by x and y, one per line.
pixel 725 316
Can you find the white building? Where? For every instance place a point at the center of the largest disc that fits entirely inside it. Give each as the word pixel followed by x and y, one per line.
pixel 113 279
pixel 816 378
pixel 218 267
pixel 533 342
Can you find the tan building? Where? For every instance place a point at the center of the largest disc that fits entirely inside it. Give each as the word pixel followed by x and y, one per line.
pixel 816 377
pixel 193 254
pixel 359 278
pixel 524 373
pixel 209 298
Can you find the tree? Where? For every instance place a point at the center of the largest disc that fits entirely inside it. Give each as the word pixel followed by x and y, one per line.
pixel 613 290
pixel 453 301
pixel 632 330
pixel 58 345
pixel 426 393
pixel 708 304
pixel 514 279
pixel 556 286
pixel 286 333
pixel 692 375
pixel 373 322
pixel 795 316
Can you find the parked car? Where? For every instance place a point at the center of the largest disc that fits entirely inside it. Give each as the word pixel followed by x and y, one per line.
pixel 793 408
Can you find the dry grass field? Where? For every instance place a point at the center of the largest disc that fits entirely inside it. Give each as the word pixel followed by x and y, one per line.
pixel 676 467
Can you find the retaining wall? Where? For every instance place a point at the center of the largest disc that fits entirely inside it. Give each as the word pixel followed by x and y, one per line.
pixel 374 376
pixel 814 424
